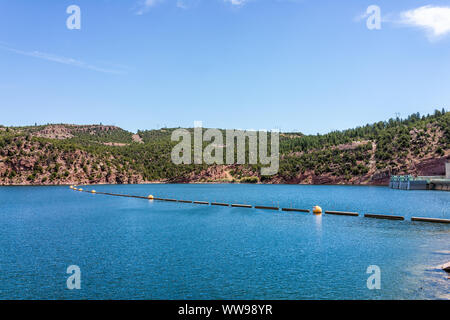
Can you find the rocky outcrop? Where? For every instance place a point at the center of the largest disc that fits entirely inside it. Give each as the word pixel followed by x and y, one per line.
pixel 431 167
pixel 446 267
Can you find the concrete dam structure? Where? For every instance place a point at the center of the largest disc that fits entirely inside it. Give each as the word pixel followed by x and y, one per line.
pixel 409 182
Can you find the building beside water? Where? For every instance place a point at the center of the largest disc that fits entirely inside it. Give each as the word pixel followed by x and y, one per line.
pixel 409 182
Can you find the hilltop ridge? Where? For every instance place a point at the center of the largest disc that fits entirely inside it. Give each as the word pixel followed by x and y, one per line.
pixel 67 154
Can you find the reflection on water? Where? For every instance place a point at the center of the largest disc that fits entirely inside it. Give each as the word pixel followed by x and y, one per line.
pixel 318 222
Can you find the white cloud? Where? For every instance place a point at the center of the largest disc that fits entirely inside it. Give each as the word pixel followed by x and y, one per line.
pixel 181 4
pixel 59 59
pixel 436 20
pixel 236 2
pixel 144 5
pixel 361 17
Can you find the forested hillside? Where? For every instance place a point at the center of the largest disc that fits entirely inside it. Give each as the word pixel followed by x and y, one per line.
pixel 66 154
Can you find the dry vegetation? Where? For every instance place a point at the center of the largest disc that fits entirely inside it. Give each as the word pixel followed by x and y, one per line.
pixel 66 154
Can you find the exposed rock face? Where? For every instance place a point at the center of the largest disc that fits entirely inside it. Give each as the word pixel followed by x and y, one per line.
pixel 137 138
pixel 213 173
pixel 431 167
pixel 59 132
pixel 37 165
pixel 25 164
pixel 381 177
pixel 446 267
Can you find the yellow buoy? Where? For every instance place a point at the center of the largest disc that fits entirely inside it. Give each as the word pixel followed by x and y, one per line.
pixel 150 197
pixel 93 191
pixel 317 210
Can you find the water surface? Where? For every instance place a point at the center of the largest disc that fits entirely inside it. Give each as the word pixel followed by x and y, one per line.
pixel 137 249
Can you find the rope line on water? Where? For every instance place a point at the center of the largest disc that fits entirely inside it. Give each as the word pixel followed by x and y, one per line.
pixel 316 209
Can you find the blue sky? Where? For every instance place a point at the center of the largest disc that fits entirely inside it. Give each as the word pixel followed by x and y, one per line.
pixel 312 66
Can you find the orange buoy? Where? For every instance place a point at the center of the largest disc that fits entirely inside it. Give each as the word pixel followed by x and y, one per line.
pixel 317 210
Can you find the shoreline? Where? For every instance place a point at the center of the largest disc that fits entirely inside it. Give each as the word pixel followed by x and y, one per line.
pixel 193 183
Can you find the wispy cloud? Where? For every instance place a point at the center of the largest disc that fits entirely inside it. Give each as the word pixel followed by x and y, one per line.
pixel 59 59
pixel 145 5
pixel 236 2
pixel 436 20
pixel 181 4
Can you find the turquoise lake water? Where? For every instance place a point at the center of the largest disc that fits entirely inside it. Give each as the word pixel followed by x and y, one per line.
pixel 137 249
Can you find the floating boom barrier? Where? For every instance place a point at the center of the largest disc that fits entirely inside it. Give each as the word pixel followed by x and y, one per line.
pixel 383 216
pixel 342 213
pixel 267 208
pixel 434 220
pixel 241 206
pixel 294 210
pixel 260 207
pixel 220 204
pixel 201 202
